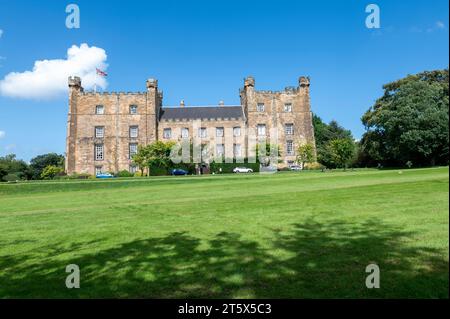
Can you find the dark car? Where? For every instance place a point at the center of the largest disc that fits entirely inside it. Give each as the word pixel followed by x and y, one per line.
pixel 178 171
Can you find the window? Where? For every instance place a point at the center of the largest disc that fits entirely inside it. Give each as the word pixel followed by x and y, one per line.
pixel 133 169
pixel 237 131
pixel 261 129
pixel 133 148
pixel 219 131
pixel 288 107
pixel 260 107
pixel 134 131
pixel 98 170
pixel 205 151
pixel 167 133
pixel 99 132
pixel 185 132
pixel 99 109
pixel 237 150
pixel 98 152
pixel 133 109
pixel 202 132
pixel 289 148
pixel 289 129
pixel 220 149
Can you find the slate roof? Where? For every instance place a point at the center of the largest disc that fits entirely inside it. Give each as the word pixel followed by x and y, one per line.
pixel 201 112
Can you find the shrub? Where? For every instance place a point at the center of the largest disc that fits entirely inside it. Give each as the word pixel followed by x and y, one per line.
pixel 314 166
pixel 51 171
pixel 124 173
pixel 158 171
pixel 79 176
pixel 11 177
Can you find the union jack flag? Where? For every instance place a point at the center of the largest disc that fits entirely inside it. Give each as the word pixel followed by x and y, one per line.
pixel 100 72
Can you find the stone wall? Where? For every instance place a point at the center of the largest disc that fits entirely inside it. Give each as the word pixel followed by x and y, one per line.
pixel 275 117
pixel 116 120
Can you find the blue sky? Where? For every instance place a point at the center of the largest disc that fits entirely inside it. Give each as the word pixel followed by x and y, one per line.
pixel 200 51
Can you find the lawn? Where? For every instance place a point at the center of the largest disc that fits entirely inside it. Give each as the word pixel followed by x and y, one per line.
pixel 285 235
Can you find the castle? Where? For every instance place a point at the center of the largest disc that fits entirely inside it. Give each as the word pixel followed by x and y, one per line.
pixel 105 129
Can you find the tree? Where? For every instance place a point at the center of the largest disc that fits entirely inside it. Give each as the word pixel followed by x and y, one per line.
pixel 38 163
pixel 342 151
pixel 409 123
pixel 51 171
pixel 324 134
pixel 305 154
pixel 154 154
pixel 140 158
pixel 10 165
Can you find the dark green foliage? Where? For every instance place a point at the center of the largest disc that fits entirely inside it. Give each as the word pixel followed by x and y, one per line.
pixel 409 123
pixel 124 173
pixel 38 163
pixel 10 165
pixel 341 151
pixel 11 177
pixel 324 134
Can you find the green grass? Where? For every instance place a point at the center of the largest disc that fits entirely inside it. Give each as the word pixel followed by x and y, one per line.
pixel 286 235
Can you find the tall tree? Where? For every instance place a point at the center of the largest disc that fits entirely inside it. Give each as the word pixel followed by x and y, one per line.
pixel 409 123
pixel 342 151
pixel 305 154
pixel 38 163
pixel 9 165
pixel 325 133
pixel 156 154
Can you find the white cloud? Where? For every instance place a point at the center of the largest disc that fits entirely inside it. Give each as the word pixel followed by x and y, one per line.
pixel 1 33
pixel 440 25
pixel 48 79
pixel 2 134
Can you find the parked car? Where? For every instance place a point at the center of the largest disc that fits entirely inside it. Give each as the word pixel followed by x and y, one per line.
pixel 104 175
pixel 242 170
pixel 178 171
pixel 295 167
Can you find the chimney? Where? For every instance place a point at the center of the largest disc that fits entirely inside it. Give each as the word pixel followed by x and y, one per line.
pixel 221 103
pixel 182 103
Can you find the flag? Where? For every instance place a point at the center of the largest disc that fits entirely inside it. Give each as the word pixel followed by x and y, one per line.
pixel 100 72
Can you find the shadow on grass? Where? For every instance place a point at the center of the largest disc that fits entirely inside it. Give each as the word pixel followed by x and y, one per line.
pixel 312 260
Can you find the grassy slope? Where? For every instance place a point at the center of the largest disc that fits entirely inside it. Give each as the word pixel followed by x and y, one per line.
pixel 291 235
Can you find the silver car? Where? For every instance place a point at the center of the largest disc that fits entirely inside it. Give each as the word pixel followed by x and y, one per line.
pixel 242 170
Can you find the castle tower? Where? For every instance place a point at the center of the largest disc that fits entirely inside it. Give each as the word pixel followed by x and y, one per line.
pixel 74 90
pixel 154 103
pixel 281 117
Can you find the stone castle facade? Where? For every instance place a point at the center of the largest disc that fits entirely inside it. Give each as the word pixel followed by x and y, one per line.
pixel 105 129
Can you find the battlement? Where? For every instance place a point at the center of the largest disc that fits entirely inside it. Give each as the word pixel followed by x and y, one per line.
pixel 92 93
pixel 303 82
